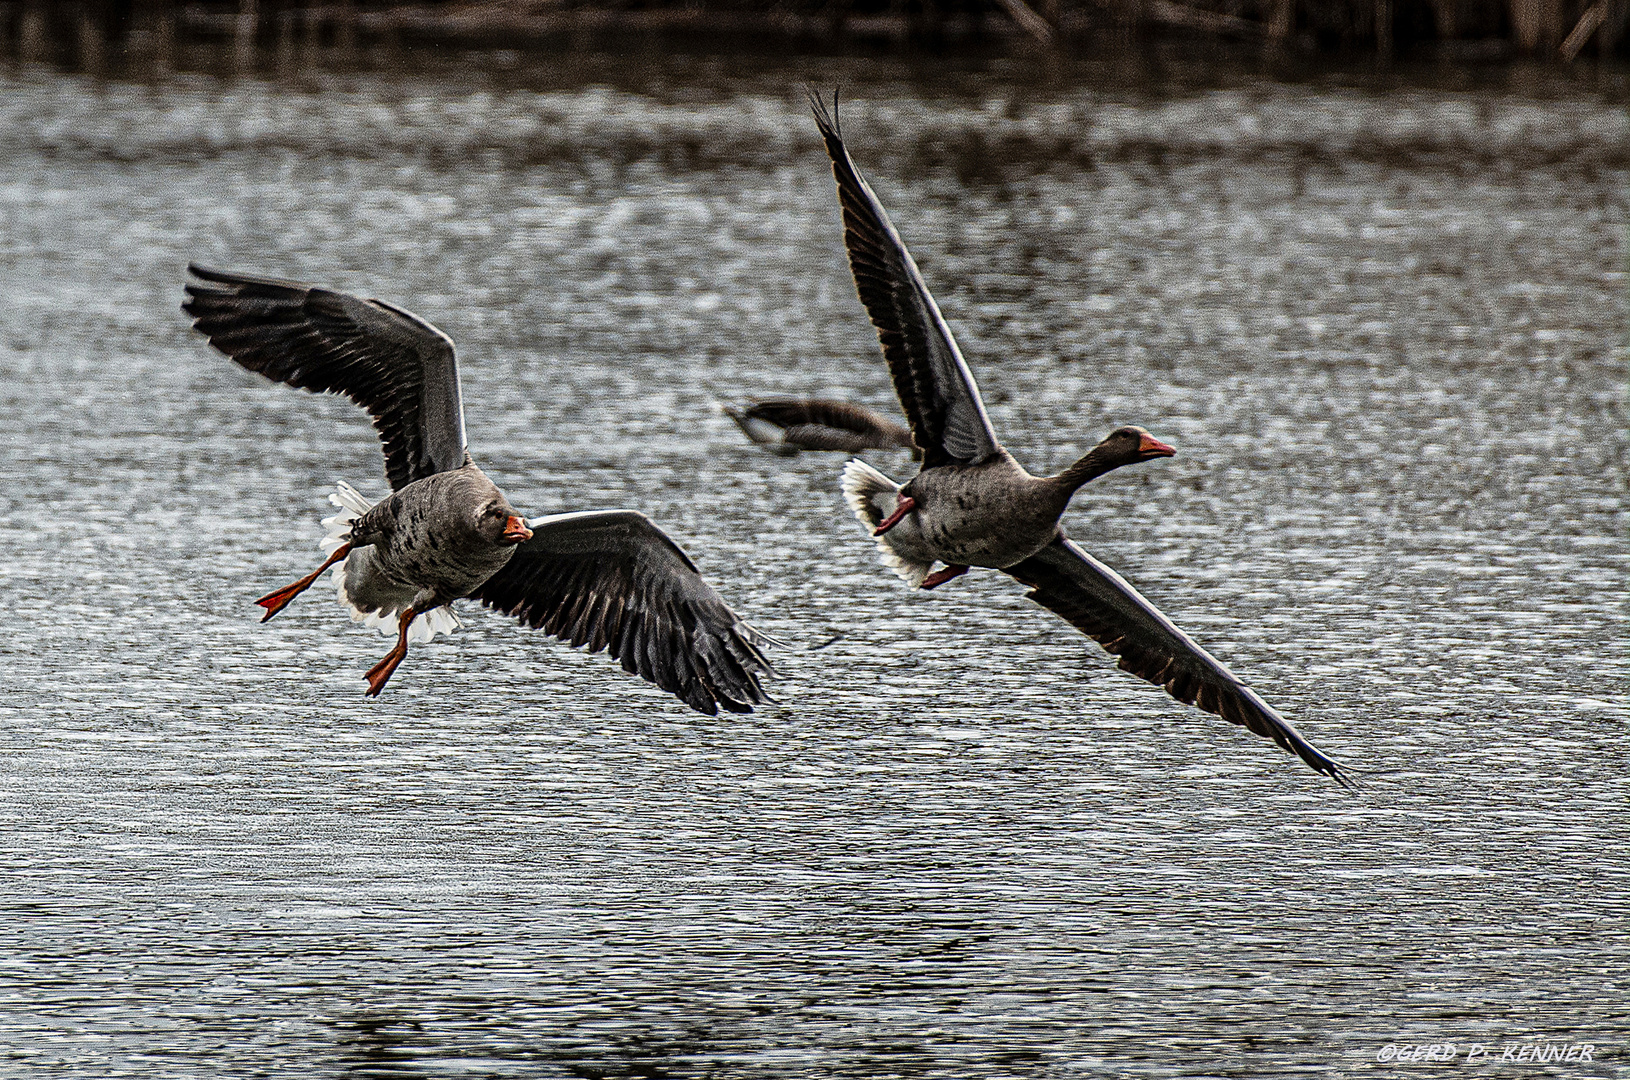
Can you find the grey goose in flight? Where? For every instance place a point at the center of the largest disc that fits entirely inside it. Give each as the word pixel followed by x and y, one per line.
pixel 605 579
pixel 972 504
pixel 789 424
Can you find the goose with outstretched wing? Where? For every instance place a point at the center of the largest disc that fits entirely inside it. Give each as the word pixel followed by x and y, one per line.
pixel 607 579
pixel 973 505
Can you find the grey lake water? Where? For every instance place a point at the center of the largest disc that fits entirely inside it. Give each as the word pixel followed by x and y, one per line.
pixel 1385 330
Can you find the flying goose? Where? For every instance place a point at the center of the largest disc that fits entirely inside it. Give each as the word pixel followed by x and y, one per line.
pixel 973 505
pixel 787 425
pixel 605 579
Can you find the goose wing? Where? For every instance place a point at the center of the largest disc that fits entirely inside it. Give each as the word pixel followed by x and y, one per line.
pixel 1098 601
pixel 391 362
pixel 610 579
pixel 935 386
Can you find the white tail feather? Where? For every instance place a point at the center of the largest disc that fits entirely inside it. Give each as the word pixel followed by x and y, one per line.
pixel 352 505
pixel 872 496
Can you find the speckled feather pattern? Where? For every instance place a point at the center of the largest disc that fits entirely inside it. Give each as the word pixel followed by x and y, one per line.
pixel 425 535
pixel 363 589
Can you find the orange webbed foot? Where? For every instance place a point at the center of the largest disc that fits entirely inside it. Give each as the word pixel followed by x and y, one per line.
pixel 381 673
pixel 940 577
pixel 274 602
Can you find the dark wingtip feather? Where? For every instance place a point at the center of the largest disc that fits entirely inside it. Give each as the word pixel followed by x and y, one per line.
pixel 826 121
pixel 227 277
pixel 1320 763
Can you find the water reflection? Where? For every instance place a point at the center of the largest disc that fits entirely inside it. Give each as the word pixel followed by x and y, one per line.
pixel 382 1046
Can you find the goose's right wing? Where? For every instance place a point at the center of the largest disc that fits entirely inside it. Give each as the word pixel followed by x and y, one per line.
pixel 1099 602
pixel 391 362
pixel 936 388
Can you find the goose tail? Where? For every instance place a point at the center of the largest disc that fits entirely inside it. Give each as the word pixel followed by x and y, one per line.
pixel 872 497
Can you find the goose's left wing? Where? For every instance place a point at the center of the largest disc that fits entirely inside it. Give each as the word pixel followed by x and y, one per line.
pixel 1099 602
pixel 610 579
pixel 391 362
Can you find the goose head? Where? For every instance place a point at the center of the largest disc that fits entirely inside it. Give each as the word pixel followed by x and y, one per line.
pixel 1129 444
pixel 497 523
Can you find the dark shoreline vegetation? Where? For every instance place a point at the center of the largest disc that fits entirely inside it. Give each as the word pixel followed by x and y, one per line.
pixel 140 38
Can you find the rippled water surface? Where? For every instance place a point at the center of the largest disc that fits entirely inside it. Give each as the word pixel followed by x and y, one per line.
pixel 1386 333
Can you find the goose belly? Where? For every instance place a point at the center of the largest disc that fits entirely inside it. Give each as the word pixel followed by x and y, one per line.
pixel 424 535
pixel 372 595
pixel 993 514
pixel 996 547
pixel 988 525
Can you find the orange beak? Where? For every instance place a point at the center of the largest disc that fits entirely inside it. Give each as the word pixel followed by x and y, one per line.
pixel 1151 447
pixel 516 532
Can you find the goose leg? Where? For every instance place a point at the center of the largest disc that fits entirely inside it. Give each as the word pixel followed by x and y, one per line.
pixel 274 602
pixel 380 673
pixel 940 577
pixel 905 506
